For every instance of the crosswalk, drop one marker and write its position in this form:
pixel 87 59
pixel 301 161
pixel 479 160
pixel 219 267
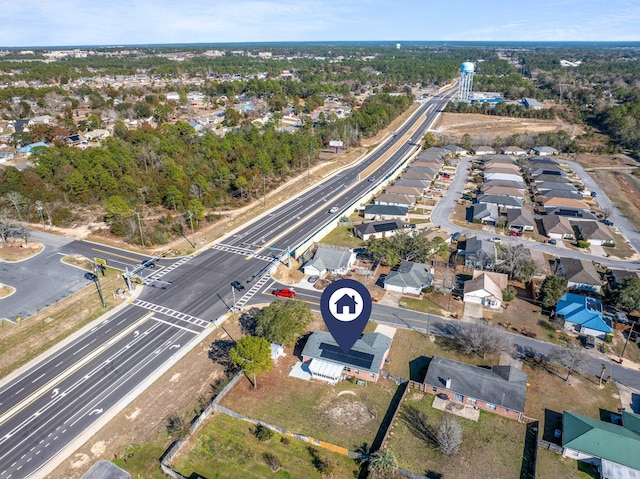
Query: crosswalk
pixel 159 274
pixel 254 289
pixel 241 251
pixel 201 323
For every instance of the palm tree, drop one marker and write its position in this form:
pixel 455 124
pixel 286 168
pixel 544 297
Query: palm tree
pixel 382 463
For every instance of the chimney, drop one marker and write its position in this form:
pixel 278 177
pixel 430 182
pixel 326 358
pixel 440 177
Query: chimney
pixel 447 383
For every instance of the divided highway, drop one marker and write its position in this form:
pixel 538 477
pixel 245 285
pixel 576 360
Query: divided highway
pixel 45 410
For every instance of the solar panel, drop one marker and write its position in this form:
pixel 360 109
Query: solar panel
pixel 354 358
pixel 380 228
pixel 593 304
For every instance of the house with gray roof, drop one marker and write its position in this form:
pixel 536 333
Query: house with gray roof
pixel 520 219
pixel 556 227
pixel 424 184
pixel 483 150
pixel 513 150
pixel 575 214
pixel 435 150
pixel 485 213
pixel 612 448
pixel 561 193
pixel 413 174
pixel 502 201
pixel 594 232
pixel 500 159
pixel 551 179
pixel 580 274
pixel 410 278
pixel 380 229
pixel 503 184
pixel 326 361
pixel 405 190
pixel 384 212
pixel 479 254
pixel 547 186
pixel 330 259
pixel 394 199
pixel 501 389
pixel 456 150
pixel 545 151
pixel 532 104
pixel 504 191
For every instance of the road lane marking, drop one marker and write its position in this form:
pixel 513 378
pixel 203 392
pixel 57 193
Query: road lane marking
pixel 70 370
pixel 116 254
pixel 174 325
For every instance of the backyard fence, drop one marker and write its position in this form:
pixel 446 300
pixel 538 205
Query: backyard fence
pixel 550 446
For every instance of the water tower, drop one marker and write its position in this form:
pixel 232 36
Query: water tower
pixel 466 81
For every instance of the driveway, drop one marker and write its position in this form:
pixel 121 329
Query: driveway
pixel 473 312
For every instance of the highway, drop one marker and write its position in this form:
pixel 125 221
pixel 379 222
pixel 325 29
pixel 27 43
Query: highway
pixel 45 410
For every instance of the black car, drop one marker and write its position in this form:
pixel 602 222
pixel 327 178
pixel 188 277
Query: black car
pixel 91 277
pixel 148 263
pixel 237 285
pixel 607 222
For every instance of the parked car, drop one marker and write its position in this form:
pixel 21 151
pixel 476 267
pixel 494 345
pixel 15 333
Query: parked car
pixel 284 293
pixel 313 279
pixel 237 285
pixel 589 341
pixel 607 222
pixel 551 241
pixel 515 233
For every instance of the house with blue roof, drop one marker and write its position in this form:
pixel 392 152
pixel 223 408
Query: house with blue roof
pixel 27 149
pixel 583 315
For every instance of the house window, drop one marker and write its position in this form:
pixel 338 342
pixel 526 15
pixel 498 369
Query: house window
pixel 372 375
pixel 491 407
pixel 357 371
pixel 347 369
pixel 434 389
pixel 471 401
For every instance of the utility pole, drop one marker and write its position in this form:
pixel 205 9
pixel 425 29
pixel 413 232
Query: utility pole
pixel 193 233
pixel 39 208
pixel 264 190
pixel 633 325
pixel 140 227
pixel 233 293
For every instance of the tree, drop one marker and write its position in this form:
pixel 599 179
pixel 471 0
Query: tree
pixel 116 208
pixel 516 261
pixel 449 436
pixel 382 463
pixel 552 289
pixel 252 354
pixel 479 339
pixel 17 201
pixel 626 294
pixel 283 322
pixel 571 358
pixel 606 212
pixel 509 294
pixel 6 226
pixel 177 427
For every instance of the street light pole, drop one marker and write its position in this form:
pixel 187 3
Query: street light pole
pixel 233 293
pixel 140 228
pixel 633 325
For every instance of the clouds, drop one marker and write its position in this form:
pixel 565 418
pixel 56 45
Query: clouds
pixel 117 22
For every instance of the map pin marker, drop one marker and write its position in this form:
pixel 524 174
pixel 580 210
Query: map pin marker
pixel 346 307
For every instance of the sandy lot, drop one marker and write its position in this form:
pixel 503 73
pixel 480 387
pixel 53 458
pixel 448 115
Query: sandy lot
pixel 458 124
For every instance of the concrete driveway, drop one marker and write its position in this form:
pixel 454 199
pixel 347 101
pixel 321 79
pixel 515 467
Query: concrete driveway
pixel 473 312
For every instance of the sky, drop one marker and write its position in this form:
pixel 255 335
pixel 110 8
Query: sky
pixel 127 22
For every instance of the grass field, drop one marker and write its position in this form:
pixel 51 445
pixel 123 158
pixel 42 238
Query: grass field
pixel 227 448
pixel 314 408
pixel 342 236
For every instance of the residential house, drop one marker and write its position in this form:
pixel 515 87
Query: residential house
pixel 27 149
pixel 486 213
pixel 405 190
pixel 612 448
pixel 520 219
pixel 393 199
pixel 500 159
pixel 479 254
pixel 556 227
pixel 6 156
pixel 418 175
pixel 618 275
pixel 551 179
pixel 435 150
pixel 410 278
pixel 561 193
pixel 502 201
pixel 96 135
pixel 573 213
pixel 545 151
pixel 532 104
pixel 485 288
pixel 503 183
pixel 503 176
pixel 553 170
pixel 583 315
pixel 380 229
pixel 504 191
pixel 383 212
pixel 501 389
pixel 502 168
pixel 513 150
pixel 580 274
pixel 333 260
pixel 456 150
pixel 326 361
pixel 40 120
pixel 424 184
pixel 482 150
pixel 548 186
pixel 550 202
pixel 594 232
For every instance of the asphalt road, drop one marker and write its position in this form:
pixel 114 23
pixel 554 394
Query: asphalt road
pixel 46 408
pixel 39 281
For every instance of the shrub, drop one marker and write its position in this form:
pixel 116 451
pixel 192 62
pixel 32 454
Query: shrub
pixel 509 294
pixel 582 244
pixel 263 433
pixel 273 462
pixel 608 338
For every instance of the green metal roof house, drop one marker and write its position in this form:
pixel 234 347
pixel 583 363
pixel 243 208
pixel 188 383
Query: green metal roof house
pixel 614 449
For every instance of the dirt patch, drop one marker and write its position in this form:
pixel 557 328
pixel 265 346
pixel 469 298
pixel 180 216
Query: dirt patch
pixel 16 250
pixel 489 127
pixel 289 275
pixel 622 189
pixel 6 291
pixel 347 412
